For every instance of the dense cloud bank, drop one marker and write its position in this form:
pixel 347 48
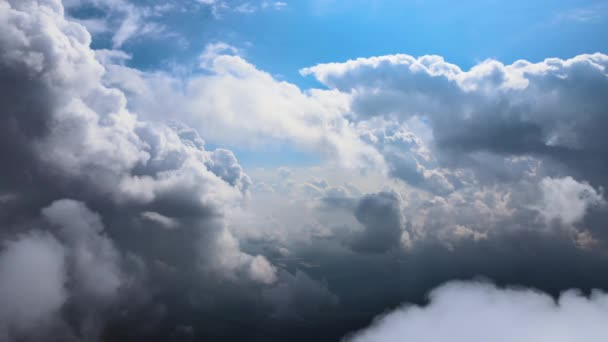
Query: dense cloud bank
pixel 94 192
pixel 118 223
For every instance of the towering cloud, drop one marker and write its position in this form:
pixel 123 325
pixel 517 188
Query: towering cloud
pixel 65 135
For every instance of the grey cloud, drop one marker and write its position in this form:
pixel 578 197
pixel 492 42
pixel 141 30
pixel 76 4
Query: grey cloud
pixel 32 290
pixel 409 159
pixel 552 109
pixel 303 292
pixel 76 139
pixel 369 283
pixel 97 263
pixel 383 222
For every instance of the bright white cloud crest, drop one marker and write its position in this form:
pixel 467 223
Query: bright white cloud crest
pixel 478 312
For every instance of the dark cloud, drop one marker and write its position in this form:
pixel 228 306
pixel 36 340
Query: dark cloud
pixel 383 223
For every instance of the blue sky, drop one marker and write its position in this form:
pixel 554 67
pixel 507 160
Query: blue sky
pixel 304 33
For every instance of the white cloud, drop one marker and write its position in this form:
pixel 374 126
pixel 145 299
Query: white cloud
pixel 256 109
pixel 478 312
pixel 567 200
pixel 218 7
pixel 163 221
pixel 124 19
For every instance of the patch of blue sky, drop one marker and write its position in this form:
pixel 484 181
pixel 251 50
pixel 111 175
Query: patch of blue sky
pixel 305 33
pixel 271 155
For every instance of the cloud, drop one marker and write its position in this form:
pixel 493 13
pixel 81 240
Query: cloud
pixel 383 222
pixel 218 7
pixel 481 312
pixel 78 140
pixel 96 261
pixel 567 200
pixel 551 110
pixel 256 109
pixel 587 14
pixel 299 290
pixel 123 184
pixel 161 220
pixel 407 156
pixel 32 290
pixel 125 20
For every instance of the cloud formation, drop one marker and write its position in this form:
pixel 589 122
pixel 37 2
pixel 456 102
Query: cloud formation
pixel 77 140
pixel 481 312
pixel 552 109
pixel 126 214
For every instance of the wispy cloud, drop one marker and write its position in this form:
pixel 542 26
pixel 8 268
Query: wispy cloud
pixel 583 14
pixel 125 20
pixel 218 7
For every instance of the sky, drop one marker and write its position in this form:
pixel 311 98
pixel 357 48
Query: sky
pixel 281 39
pixel 285 38
pixel 321 170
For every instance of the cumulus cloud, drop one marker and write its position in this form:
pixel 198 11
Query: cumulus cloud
pixel 408 157
pixel 256 109
pixel 483 312
pixel 124 220
pixel 550 110
pixel 120 172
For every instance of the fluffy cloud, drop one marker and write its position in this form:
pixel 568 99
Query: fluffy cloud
pixel 407 156
pixel 77 140
pixel 481 312
pixel 551 110
pixel 146 233
pixel 567 200
pixel 256 109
